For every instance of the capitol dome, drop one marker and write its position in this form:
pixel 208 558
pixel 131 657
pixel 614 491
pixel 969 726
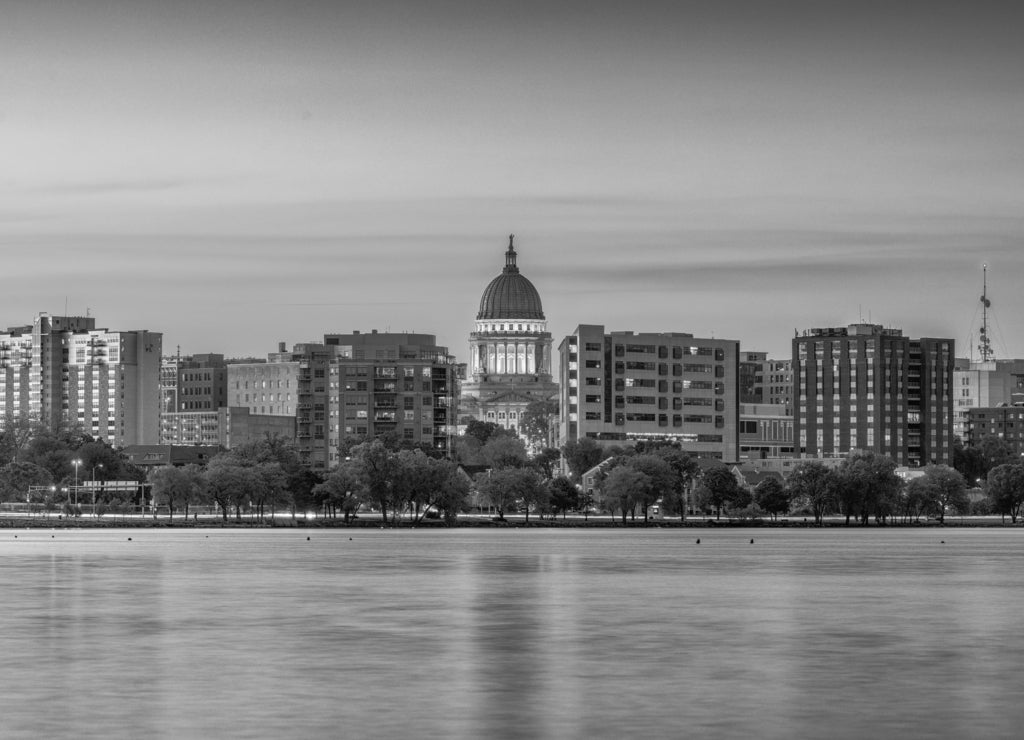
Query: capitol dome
pixel 510 295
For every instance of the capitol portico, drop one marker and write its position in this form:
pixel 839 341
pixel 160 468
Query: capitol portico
pixel 510 351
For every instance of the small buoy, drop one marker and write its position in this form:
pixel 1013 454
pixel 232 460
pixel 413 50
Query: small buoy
pixel 698 541
pixel 349 539
pixel 307 539
pixel 943 542
pixel 751 542
pixel 129 539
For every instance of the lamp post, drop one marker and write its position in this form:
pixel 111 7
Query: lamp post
pixel 77 463
pixel 100 466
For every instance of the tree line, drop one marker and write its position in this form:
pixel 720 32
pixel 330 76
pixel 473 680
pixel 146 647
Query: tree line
pixel 509 472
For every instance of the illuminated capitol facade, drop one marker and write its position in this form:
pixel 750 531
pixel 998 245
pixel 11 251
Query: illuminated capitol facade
pixel 510 351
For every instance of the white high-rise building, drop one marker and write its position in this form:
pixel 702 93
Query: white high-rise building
pixel 62 370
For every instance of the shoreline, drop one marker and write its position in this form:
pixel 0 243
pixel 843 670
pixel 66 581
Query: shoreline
pixel 287 522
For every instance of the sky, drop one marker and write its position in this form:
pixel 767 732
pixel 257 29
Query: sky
pixel 237 174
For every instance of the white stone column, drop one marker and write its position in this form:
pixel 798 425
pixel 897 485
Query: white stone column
pixel 531 358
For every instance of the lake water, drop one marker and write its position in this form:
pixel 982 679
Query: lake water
pixel 512 633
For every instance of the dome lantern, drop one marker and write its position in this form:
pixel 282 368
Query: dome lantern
pixel 510 295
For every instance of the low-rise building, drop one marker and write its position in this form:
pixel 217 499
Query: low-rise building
pixel 1002 422
pixel 766 430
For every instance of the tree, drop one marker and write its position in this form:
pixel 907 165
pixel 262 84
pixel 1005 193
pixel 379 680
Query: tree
pixel 772 496
pixel 301 484
pixel 343 489
pixel 685 469
pixel 813 485
pixel 544 460
pixel 504 452
pixel 581 455
pixel 482 431
pixel 535 421
pixel 974 463
pixel 16 435
pixel 451 499
pixel 621 488
pixel 1006 489
pixel 945 489
pixel 660 479
pixel 227 483
pixel 564 495
pixel 467 450
pixel 377 466
pixel 867 483
pixel 534 493
pixel 721 486
pixel 176 486
pixel 17 477
pixel 420 480
pixel 502 488
pixel 916 498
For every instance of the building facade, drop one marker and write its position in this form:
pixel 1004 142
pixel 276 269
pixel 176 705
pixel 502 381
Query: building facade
pixel 766 430
pixel 193 390
pixel 984 384
pixel 510 351
pixel 621 387
pixel 62 370
pixel 348 388
pixel 1002 422
pixel 763 380
pixel 868 387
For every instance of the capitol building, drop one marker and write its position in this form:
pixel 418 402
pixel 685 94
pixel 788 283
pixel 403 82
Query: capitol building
pixel 510 351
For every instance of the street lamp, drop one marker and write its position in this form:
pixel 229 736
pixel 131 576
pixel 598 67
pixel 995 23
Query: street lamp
pixel 100 466
pixel 77 463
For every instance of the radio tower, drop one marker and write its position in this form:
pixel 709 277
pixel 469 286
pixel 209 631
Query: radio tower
pixel 985 345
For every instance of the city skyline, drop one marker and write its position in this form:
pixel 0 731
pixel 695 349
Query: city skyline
pixel 238 174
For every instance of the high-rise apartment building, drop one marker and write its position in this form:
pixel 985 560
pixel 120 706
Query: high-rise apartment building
pixel 621 387
pixel 867 387
pixel 353 386
pixel 63 370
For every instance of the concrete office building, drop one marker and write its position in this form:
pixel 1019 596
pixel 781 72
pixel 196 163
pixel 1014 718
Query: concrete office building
pixel 62 370
pixel 867 387
pixel 193 390
pixel 620 387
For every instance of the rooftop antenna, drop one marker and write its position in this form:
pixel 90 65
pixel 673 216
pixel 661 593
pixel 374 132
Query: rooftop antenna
pixel 984 343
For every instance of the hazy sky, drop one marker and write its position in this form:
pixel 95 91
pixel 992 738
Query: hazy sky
pixel 235 174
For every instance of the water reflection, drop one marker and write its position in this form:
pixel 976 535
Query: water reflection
pixel 511 634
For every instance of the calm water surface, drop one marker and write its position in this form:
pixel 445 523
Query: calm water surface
pixel 511 634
